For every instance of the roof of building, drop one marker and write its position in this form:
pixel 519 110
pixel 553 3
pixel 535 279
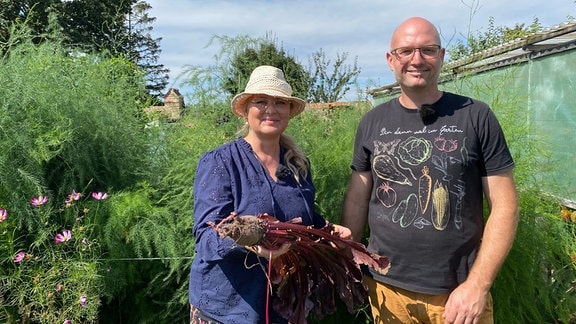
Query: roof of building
pixel 173 91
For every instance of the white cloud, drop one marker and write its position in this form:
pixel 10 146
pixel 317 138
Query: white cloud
pixel 360 28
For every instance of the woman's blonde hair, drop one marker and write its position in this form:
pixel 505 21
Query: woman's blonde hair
pixel 294 158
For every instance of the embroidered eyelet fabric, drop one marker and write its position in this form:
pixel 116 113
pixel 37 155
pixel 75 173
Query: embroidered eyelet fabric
pixel 226 282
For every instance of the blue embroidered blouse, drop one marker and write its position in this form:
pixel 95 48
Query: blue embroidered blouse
pixel 226 282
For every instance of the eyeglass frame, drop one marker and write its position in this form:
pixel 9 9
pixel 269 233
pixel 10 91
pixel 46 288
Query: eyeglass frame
pixel 262 103
pixel 405 59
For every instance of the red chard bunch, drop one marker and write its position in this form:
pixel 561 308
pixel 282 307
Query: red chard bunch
pixel 318 266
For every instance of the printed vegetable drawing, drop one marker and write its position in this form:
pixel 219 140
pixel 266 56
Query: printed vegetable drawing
pixel 386 195
pixel 441 204
pixel 424 189
pixel 318 265
pixel 445 145
pixel 406 211
pixel 460 192
pixel 415 150
pixel 464 154
pixel 385 169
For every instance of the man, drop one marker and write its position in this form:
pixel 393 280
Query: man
pixel 422 164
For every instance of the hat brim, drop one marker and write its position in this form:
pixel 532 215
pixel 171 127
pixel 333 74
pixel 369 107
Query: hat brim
pixel 239 102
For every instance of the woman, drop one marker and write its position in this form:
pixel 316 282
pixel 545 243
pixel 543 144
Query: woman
pixel 263 172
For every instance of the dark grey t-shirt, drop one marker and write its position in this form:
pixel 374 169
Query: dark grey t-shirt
pixel 426 212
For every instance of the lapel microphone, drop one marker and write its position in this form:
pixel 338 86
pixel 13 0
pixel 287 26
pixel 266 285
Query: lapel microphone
pixel 282 171
pixel 427 113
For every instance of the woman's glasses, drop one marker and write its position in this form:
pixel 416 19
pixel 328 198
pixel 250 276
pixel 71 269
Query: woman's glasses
pixel 263 104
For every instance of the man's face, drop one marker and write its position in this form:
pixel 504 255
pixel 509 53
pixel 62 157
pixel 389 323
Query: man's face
pixel 416 57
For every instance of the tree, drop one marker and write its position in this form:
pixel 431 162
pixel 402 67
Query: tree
pixel 96 25
pixel 318 83
pixel 121 28
pixel 214 85
pixel 331 87
pixel 264 52
pixel 34 13
pixel 144 49
pixel 108 27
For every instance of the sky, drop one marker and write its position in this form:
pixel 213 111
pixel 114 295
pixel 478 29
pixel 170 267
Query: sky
pixel 360 28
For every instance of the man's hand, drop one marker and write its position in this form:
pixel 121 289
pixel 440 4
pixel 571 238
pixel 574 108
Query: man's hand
pixel 465 304
pixel 343 232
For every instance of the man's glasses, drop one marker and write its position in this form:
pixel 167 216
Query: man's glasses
pixel 405 54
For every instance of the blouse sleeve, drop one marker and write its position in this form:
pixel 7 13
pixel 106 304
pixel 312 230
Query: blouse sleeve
pixel 213 201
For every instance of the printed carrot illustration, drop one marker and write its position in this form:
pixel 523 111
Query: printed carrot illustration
pixel 424 189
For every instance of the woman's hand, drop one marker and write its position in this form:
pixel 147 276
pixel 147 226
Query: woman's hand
pixel 269 254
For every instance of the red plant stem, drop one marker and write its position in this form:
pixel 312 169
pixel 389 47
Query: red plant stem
pixel 268 292
pixel 318 265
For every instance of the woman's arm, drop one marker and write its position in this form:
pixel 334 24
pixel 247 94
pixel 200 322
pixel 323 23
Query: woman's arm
pixel 213 201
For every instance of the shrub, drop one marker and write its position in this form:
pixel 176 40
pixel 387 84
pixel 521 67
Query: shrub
pixel 55 277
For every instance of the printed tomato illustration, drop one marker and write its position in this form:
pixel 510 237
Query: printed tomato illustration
pixel 386 195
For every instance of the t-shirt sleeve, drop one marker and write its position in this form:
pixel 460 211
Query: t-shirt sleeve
pixel 361 153
pixel 495 152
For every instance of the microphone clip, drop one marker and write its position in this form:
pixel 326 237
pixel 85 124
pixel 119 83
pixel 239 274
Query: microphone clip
pixel 427 113
pixel 282 171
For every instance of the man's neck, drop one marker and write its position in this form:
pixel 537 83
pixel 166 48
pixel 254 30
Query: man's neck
pixel 415 99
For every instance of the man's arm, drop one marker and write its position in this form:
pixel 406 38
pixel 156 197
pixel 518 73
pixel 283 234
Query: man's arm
pixel 356 200
pixel 467 301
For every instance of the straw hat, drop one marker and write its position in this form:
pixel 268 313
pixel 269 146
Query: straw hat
pixel 267 80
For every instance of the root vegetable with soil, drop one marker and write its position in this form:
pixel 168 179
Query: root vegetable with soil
pixel 318 265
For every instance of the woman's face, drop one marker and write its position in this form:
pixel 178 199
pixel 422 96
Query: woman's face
pixel 267 116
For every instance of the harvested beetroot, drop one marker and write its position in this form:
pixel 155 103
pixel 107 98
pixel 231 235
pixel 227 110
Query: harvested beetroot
pixel 318 265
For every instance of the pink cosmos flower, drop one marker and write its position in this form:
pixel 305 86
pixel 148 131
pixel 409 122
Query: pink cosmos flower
pixel 83 300
pixel 99 195
pixel 38 201
pixel 19 257
pixel 3 214
pixel 65 236
pixel 74 195
pixel 67 322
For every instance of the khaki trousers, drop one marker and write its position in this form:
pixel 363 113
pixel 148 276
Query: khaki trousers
pixel 398 306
